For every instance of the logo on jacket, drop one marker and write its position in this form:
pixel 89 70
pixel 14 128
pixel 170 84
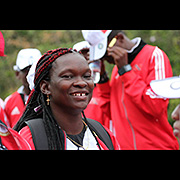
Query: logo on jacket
pixel 15 111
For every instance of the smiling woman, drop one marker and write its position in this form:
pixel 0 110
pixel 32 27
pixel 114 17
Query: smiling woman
pixel 70 86
pixel 63 88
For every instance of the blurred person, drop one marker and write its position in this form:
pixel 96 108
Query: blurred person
pixel 93 110
pixel 139 116
pixel 170 88
pixel 9 138
pixel 53 116
pixel 2 114
pixel 15 103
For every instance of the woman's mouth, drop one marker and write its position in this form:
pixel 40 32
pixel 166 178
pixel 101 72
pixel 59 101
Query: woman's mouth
pixel 79 94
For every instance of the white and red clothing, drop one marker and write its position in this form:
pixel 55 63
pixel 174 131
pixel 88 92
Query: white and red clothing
pixel 139 116
pixel 11 140
pixel 14 106
pixel 89 142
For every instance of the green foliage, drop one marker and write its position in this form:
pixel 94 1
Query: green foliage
pixel 15 40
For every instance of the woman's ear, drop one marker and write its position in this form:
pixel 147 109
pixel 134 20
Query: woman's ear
pixel 44 87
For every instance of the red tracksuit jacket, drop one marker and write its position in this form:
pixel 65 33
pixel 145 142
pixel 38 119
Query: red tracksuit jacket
pixel 14 107
pixel 138 115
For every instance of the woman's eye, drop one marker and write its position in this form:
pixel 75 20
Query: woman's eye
pixel 87 76
pixel 67 76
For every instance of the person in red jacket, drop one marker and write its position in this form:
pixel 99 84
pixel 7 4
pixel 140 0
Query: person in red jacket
pixel 9 138
pixel 2 114
pixel 139 116
pixel 15 103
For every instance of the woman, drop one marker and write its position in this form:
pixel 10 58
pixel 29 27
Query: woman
pixel 62 89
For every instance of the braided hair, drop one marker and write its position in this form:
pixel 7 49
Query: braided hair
pixel 36 104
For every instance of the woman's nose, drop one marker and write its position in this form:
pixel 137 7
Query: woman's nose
pixel 80 82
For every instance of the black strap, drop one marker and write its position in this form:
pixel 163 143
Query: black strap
pixel 38 134
pixel 40 138
pixel 22 97
pixel 101 133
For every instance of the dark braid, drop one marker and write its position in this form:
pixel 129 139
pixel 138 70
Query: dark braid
pixel 36 104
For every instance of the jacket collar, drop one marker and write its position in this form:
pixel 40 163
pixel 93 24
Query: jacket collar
pixel 139 44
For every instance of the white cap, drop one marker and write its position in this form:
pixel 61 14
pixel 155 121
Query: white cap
pixel 98 41
pixel 167 88
pixel 26 57
pixel 81 45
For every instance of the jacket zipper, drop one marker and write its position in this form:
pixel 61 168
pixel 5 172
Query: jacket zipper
pixel 125 110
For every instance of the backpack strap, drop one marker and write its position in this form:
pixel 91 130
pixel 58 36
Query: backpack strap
pixel 40 138
pixel 102 133
pixel 38 134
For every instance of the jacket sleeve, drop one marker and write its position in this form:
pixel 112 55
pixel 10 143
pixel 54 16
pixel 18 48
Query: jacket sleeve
pixel 139 90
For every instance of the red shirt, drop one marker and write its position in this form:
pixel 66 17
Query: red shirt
pixel 139 116
pixel 14 107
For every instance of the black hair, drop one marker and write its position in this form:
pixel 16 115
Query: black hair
pixel 113 34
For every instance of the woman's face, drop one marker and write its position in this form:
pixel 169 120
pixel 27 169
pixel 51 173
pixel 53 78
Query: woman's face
pixel 70 84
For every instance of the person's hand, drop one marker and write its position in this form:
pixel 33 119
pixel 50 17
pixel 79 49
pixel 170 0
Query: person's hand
pixel 176 116
pixel 119 54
